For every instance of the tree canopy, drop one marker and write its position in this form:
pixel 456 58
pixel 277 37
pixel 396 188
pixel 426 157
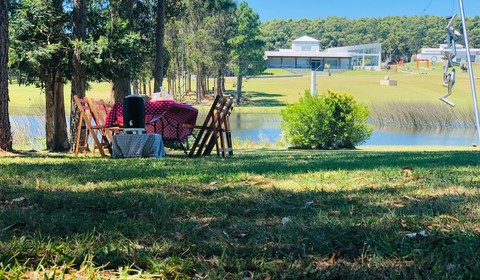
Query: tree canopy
pixel 400 36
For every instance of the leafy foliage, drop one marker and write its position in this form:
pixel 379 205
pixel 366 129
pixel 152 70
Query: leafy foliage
pixel 329 121
pixel 247 43
pixel 38 42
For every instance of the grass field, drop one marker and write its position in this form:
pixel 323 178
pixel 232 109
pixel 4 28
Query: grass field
pixel 265 214
pixel 365 86
pixel 372 213
pixel 271 94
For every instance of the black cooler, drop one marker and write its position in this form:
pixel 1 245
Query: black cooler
pixel 134 114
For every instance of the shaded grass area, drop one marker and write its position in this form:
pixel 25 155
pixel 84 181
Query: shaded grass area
pixel 262 214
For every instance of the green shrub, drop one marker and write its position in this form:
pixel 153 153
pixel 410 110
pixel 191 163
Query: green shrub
pixel 328 121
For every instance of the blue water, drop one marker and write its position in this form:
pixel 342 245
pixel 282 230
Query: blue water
pixel 256 127
pixel 266 128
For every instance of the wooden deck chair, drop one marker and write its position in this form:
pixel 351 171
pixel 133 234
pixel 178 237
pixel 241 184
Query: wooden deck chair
pixel 100 113
pixel 90 125
pixel 223 141
pixel 208 132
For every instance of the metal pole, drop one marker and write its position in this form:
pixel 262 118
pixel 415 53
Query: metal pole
pixel 313 83
pixel 470 69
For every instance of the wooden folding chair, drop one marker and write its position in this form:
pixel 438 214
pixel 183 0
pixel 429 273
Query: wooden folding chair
pixel 89 124
pixel 100 113
pixel 215 131
pixel 224 138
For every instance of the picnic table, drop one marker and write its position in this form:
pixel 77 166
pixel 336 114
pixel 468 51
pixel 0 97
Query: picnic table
pixel 165 117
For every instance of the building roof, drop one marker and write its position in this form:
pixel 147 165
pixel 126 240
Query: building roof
pixel 306 54
pixel 306 39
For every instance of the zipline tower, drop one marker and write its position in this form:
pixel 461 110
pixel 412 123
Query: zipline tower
pixel 470 69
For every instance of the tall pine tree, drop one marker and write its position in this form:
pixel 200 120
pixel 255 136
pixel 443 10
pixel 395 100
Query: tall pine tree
pixel 5 128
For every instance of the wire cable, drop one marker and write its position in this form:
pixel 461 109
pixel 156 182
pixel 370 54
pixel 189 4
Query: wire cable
pixel 428 5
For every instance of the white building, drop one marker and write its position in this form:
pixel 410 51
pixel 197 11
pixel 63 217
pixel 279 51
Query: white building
pixel 305 53
pixel 435 54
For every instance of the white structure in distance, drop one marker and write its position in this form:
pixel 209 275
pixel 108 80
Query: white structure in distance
pixel 305 53
pixel 435 54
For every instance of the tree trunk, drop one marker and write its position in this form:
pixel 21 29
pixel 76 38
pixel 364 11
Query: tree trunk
pixel 5 128
pixel 239 88
pixel 219 86
pixel 189 83
pixel 120 89
pixel 159 41
pixel 49 111
pixel 55 120
pixel 199 83
pixel 223 84
pixel 207 85
pixel 135 86
pixel 60 121
pixel 79 77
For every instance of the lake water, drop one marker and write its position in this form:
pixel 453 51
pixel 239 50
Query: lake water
pixel 262 127
pixel 266 128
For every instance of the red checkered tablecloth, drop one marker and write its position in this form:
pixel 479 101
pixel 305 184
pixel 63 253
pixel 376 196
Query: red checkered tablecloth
pixel 173 116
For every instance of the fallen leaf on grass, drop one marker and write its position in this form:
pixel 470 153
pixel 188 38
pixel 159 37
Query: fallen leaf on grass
pixel 334 213
pixel 210 188
pixel 241 235
pixel 332 259
pixel 286 220
pixel 179 235
pixel 398 205
pixel 18 200
pixel 257 180
pixel 451 266
pixel 450 218
pixel 408 171
pixel 202 226
pixel 308 204
pixel 14 226
pixel 411 198
pixel 422 233
pixel 434 225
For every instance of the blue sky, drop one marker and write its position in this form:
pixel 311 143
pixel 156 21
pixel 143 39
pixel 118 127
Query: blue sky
pixel 297 9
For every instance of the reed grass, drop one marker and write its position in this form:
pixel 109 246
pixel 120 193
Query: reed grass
pixel 420 115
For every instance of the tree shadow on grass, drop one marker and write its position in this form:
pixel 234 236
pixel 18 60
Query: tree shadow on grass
pixel 261 99
pixel 214 220
pixel 232 229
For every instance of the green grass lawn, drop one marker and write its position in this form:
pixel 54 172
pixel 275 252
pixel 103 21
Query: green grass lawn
pixel 417 85
pixel 261 214
pixel 271 94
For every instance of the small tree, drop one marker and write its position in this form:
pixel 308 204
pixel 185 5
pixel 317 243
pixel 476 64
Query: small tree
pixel 328 121
pixel 247 45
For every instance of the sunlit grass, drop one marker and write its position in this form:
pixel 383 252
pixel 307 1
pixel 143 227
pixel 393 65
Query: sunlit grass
pixel 277 214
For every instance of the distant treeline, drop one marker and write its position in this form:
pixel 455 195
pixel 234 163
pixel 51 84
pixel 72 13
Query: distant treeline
pixel 401 36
